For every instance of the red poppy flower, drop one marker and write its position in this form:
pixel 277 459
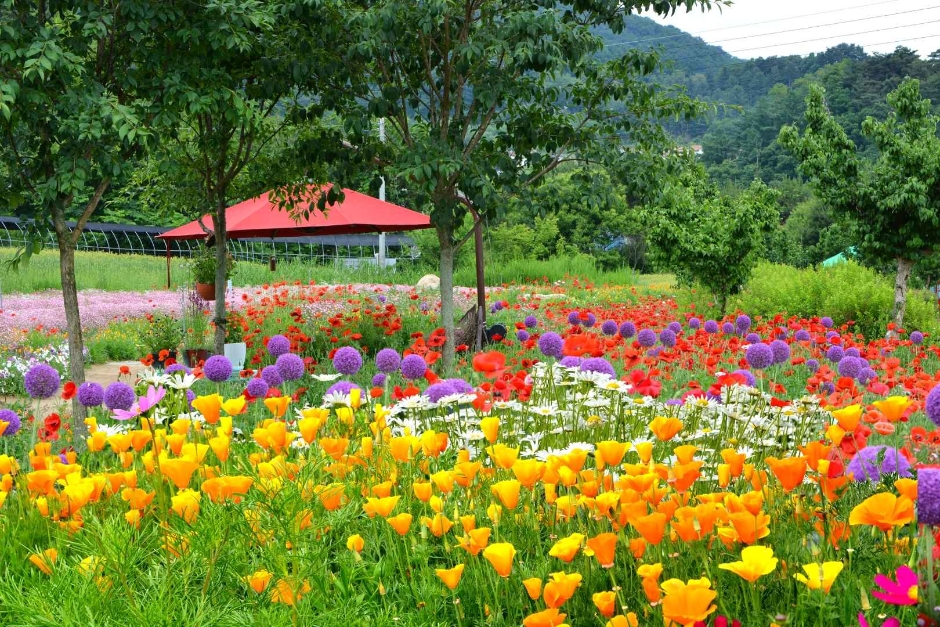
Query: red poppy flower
pixel 491 364
pixel 52 422
pixel 68 391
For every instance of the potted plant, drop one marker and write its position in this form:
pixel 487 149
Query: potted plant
pixel 196 323
pixel 162 338
pixel 235 347
pixel 203 267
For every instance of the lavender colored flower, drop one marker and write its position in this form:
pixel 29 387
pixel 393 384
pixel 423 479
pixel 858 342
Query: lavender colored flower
pixel 759 356
pixel 425 307
pixel 646 337
pixel 13 421
pixel 826 321
pixel 342 387
pixel 743 323
pixel 812 365
pixel 675 402
pixel 551 344
pixel 917 338
pixel 278 345
pixel 290 366
pixel 387 360
pixel 831 334
pixel 932 406
pixel 873 461
pixel 828 387
pixel 598 364
pixel 382 298
pixel 190 397
pixel 694 323
pixel 849 367
pixel 497 306
pixel 835 354
pixel 727 328
pixel 119 395
pixel 41 381
pixel 379 380
pixel 667 337
pixel 258 387
pixel 574 318
pixel 460 386
pixel 675 327
pixel 217 368
pixel 609 327
pixel 522 335
pixel 531 322
pixel 852 352
pixel 627 330
pixel 591 320
pixel 866 375
pixel 711 326
pixel 272 376
pixel 347 360
pixel 802 335
pixel 570 362
pixel 177 367
pixel 413 367
pixel 437 391
pixel 90 394
pixel 749 377
pixel 781 351
pixel 863 363
pixel 752 338
pixel 928 496
pixel 654 352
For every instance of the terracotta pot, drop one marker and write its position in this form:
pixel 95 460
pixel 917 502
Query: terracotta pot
pixel 195 355
pixel 206 290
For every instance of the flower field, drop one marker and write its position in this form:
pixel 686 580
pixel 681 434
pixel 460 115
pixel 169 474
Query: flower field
pixel 612 461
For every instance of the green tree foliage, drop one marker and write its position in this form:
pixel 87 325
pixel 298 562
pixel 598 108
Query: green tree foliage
pixel 893 199
pixel 711 239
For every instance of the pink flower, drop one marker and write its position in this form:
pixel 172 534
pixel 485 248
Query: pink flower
pixel 891 622
pixel 124 414
pixel 151 399
pixel 900 592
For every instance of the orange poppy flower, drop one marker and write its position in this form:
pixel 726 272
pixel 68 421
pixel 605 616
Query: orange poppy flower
pixel 400 523
pixel 883 510
pixel 179 471
pixel 790 471
pixel 500 555
pixel 652 527
pixel 664 428
pixel 44 561
pixel 546 618
pixel 451 576
pixel 611 452
pixel 560 588
pixel 533 587
pixel 687 603
pixel 604 546
pixel 508 492
pixel 605 602
pixel 528 471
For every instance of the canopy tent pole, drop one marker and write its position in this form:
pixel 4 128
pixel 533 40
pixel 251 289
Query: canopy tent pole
pixel 382 198
pixel 167 264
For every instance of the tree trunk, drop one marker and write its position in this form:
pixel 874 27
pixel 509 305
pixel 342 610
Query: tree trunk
pixel 900 291
pixel 446 238
pixel 221 260
pixel 73 323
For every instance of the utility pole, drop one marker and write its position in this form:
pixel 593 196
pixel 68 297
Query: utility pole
pixel 382 198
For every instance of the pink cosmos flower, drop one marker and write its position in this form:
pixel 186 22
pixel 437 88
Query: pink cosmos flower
pixel 903 591
pixel 151 399
pixel 891 622
pixel 127 414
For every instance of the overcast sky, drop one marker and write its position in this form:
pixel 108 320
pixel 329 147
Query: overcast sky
pixel 752 28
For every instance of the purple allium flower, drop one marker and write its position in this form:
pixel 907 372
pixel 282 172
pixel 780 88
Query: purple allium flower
pixel 497 306
pixel 835 353
pixel 748 377
pixel 727 328
pixel 591 320
pixel 812 365
pixel 932 406
pixel 627 330
pixel 531 322
pixel 437 391
pixel 387 360
pixel 781 351
pixel 90 394
pixel 425 307
pixel 379 380
pixel 917 338
pixel 272 376
pixel 863 363
pixel 802 335
pixel 342 387
pixel 831 334
pixel 217 368
pixel 780 333
pixel 119 395
pixel 258 387
pixel 551 344
pixel 609 327
pixel 382 298
pixel 522 335
pixel 675 327
pixel 290 366
pixel 752 338
pixel 278 345
pixel 667 337
pixel 873 461
pixel 711 326
pixel 654 352
pixel 675 402
pixel 866 375
pixel 743 323
pixel 460 386
pixel 826 321
pixel 413 367
pixel 13 421
pixel 694 323
pixel 41 381
pixel 347 360
pixel 852 352
pixel 598 364
pixel 759 356
pixel 574 318
pixel 177 367
pixel 849 367
pixel 570 362
pixel 928 496
pixel 646 337
pixel 190 397
pixel 828 387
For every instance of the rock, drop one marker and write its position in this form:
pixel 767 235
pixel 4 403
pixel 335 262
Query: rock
pixel 429 282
